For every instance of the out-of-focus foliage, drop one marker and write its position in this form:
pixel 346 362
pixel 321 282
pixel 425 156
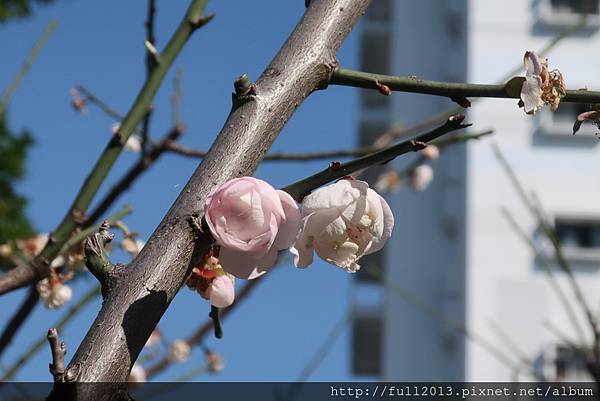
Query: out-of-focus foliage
pixel 13 153
pixel 18 8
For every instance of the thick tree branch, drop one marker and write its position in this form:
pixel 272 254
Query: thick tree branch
pixel 452 90
pixel 138 300
pixel 25 274
pixel 338 170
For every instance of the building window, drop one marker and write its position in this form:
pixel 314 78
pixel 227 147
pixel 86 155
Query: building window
pixel 569 365
pixel 579 238
pixel 366 345
pixel 375 57
pixel 380 11
pixel 560 122
pixel 562 13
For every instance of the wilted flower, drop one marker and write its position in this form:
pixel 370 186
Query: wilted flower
pixel 133 144
pixel 341 223
pixel 214 361
pixel 251 221
pixel 53 292
pixel 421 177
pixel 430 152
pixel 132 246
pixel 210 281
pixel 540 86
pixel 388 181
pixel 78 102
pixel 137 374
pixel 179 351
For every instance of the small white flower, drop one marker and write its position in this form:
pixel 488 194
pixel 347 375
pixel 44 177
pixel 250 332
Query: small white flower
pixel 179 351
pixel 531 91
pixel 215 363
pixel 133 247
pixel 133 144
pixel 388 181
pixel 341 223
pixel 54 293
pixel 431 152
pixel 137 374
pixel 153 339
pixel 421 177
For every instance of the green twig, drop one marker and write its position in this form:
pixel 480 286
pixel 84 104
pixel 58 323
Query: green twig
pixel 453 90
pixel 33 54
pixel 76 214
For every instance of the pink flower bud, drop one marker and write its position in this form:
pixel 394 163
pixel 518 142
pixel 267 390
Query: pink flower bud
pixel 251 221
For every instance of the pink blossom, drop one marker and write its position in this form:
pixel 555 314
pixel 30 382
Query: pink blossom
pixel 251 221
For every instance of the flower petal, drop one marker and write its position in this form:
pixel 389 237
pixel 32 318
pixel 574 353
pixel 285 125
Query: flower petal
pixel 344 255
pixel 247 265
pixel 339 195
pixel 531 93
pixel 288 230
pixel 222 291
pixel 388 225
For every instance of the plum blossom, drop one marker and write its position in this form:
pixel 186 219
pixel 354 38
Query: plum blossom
pixel 251 221
pixel 210 281
pixel 388 181
pixel 541 86
pixel 421 177
pixel 132 246
pixel 53 292
pixel 179 351
pixel 154 338
pixel 341 223
pixel 430 152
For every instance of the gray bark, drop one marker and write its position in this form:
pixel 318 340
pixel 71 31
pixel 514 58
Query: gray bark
pixel 138 295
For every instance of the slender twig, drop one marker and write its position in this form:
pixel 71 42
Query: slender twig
pixel 176 98
pixel 400 132
pixel 75 216
pixel 183 150
pixel 59 350
pixel 545 263
pixel 34 348
pixel 141 166
pixel 33 54
pixel 17 320
pixel 551 235
pixel 452 90
pixel 90 97
pixel 338 170
pixel 151 62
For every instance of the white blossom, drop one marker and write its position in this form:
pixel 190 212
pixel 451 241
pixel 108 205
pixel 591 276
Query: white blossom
pixel 133 144
pixel 388 181
pixel 421 177
pixel 341 223
pixel 54 293
pixel 430 152
pixel 179 351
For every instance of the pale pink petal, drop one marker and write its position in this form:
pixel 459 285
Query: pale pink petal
pixel 222 291
pixel 288 230
pixel 531 93
pixel 247 265
pixel 589 115
pixel 311 226
pixel 533 65
pixel 388 226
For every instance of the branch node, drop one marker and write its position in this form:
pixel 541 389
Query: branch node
pixel 96 259
pixel 417 146
pixel 152 52
pixel 245 91
pixel 383 89
pixel 201 21
pixel 461 101
pixel 59 350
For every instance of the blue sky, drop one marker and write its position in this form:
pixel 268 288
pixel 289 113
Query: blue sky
pixel 100 45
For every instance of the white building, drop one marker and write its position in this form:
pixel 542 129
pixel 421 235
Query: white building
pixel 453 253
